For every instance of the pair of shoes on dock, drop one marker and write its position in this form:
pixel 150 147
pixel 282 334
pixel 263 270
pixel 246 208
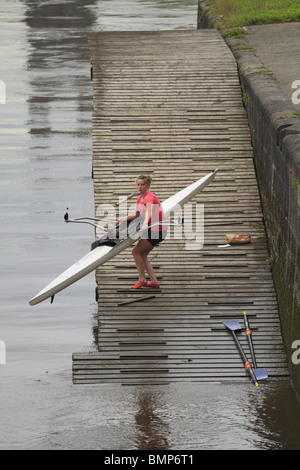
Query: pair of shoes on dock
pixel 145 284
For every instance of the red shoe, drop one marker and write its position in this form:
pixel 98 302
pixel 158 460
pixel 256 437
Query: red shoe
pixel 151 284
pixel 138 285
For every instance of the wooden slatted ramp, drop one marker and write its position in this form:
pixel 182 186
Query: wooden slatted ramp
pixel 169 104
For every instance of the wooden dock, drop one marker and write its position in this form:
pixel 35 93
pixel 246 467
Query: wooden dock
pixel 170 104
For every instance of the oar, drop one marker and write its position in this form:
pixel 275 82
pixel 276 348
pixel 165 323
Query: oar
pixel 169 223
pixel 233 326
pixel 261 374
pixel 85 220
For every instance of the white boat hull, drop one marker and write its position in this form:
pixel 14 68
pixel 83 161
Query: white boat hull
pixel 103 253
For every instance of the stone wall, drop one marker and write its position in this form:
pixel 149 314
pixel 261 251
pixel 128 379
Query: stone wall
pixel 275 131
pixel 276 144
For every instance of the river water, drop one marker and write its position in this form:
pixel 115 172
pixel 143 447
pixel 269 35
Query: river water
pixel 46 163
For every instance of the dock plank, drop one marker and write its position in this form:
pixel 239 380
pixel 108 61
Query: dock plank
pixel 169 103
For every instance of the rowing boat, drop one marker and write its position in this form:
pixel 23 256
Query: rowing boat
pixel 106 250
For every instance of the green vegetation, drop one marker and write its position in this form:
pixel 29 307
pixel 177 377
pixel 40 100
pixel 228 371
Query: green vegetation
pixel 295 183
pixel 238 13
pixel 245 98
pixel 236 32
pixel 294 115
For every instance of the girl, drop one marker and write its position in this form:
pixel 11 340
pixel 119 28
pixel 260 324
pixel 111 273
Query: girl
pixel 149 208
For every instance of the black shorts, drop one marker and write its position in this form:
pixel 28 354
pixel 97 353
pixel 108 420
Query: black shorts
pixel 155 237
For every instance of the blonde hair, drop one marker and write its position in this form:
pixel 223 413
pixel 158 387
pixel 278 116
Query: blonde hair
pixel 147 179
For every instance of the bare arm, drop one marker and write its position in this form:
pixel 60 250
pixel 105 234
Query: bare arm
pixel 147 216
pixel 129 217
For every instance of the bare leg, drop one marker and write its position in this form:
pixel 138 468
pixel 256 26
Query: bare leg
pixel 140 253
pixel 149 269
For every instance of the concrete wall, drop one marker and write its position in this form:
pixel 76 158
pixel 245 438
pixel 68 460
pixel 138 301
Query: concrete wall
pixel 276 143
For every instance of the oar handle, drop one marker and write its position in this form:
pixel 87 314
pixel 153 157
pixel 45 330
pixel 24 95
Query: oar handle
pixel 246 362
pixel 251 372
pixel 249 336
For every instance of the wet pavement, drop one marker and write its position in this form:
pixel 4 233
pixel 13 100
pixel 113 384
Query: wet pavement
pixel 45 167
pixel 277 47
